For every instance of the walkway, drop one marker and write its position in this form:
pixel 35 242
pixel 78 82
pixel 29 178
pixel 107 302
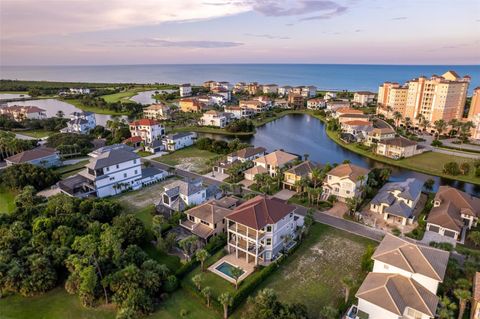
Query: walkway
pixel 428 141
pixel 449 142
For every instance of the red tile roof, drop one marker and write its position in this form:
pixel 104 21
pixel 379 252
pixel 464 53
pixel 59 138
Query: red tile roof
pixel 145 122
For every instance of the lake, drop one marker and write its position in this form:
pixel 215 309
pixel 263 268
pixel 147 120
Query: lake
pixel 145 97
pixel 52 106
pixel 324 76
pixel 303 134
pixel 9 96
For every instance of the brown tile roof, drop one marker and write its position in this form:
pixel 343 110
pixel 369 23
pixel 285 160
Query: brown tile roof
pixel 349 170
pixel 398 141
pixel 447 216
pixel 276 158
pixel 144 122
pixel 383 130
pixel 31 155
pixel 394 292
pixel 260 211
pixel 365 93
pixel 248 152
pixel 412 257
pixel 348 110
pixel 210 212
pixel 466 203
pixel 353 115
pixel 358 123
pixel 202 231
pixel 157 106
pixel 256 170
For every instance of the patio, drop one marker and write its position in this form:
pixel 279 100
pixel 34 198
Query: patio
pixel 231 259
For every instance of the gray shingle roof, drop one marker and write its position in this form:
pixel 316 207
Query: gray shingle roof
pixel 183 187
pixel 112 157
pixel 177 136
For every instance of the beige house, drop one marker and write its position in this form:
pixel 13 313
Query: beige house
pixel 250 173
pixel 274 161
pixel 208 219
pixel 398 147
pixel 379 134
pixel 254 105
pixel 20 113
pixel 363 98
pixel 157 111
pixel 403 283
pixel 453 212
pixel 345 181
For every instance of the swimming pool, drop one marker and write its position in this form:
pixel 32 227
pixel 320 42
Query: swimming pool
pixel 226 269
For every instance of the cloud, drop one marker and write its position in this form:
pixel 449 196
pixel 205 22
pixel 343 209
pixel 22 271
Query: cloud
pixel 279 8
pixel 267 36
pixel 155 42
pixel 327 15
pixel 400 18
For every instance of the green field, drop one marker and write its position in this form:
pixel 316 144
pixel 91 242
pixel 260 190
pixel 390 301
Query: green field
pixel 313 274
pixel 429 163
pixel 119 97
pixel 93 109
pixel 37 133
pixel 7 198
pixel 189 158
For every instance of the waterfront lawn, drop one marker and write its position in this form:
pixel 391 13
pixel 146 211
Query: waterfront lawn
pixel 7 198
pixel 313 274
pixel 210 130
pixel 429 162
pixel 36 133
pixel 119 97
pixel 78 103
pixel 188 158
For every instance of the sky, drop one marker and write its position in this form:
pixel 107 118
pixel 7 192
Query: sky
pixel 89 32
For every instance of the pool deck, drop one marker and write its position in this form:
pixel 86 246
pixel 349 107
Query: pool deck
pixel 248 268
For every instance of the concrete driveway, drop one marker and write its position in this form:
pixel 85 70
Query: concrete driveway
pixel 338 210
pixel 284 194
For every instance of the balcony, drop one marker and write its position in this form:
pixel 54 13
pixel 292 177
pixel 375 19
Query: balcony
pixel 247 232
pixel 247 246
pixel 355 313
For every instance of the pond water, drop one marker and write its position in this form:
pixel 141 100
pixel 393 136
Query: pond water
pixel 52 106
pixel 145 97
pixel 8 96
pixel 302 134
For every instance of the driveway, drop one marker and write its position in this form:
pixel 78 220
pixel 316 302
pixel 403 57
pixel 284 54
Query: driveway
pixel 217 176
pixel 338 210
pixel 284 194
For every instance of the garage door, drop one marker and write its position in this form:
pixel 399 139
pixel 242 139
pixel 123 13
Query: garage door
pixel 434 228
pixel 450 233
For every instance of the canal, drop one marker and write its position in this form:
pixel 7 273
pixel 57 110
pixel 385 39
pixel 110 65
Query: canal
pixel 303 134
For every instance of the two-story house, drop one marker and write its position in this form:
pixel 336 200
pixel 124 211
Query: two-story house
pixel 176 141
pixel 180 194
pixel 294 175
pixel 111 170
pixel 149 130
pixel 238 112
pixel 20 112
pixel 396 201
pixel 259 229
pixel 403 283
pixel 345 181
pixel 274 161
pixel 214 118
pixel 316 104
pixel 453 211
pixel 80 123
pixel 158 111
pixel 398 147
pixel 364 98
pixel 379 134
pixel 240 156
pixel 254 105
pixel 191 104
pixel 208 219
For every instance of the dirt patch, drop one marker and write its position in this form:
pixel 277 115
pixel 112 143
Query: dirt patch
pixel 192 164
pixel 144 197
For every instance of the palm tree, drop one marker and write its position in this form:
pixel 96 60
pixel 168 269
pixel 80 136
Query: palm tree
pixel 424 124
pixel 408 123
pixel 201 256
pixel 455 124
pixel 389 110
pixel 236 272
pixel 348 283
pixel 446 308
pixel 316 177
pixel 440 126
pixel 197 281
pixel 397 116
pixel 463 296
pixel 207 293
pixel 225 300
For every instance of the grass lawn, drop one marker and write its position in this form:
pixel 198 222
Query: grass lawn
pixel 143 153
pixel 181 299
pixel 6 200
pixel 313 274
pixel 429 163
pixel 189 158
pixel 211 130
pixel 36 133
pixel 93 109
pixel 118 97
pixel 69 170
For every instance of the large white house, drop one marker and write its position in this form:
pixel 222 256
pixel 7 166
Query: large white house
pixel 364 98
pixel 80 123
pixel 403 283
pixel 238 112
pixel 214 118
pixel 173 142
pixel 185 90
pixel 111 170
pixel 345 181
pixel 149 130
pixel 180 194
pixel 259 229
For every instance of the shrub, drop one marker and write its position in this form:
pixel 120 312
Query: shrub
pixel 366 261
pixel 396 231
pixel 436 143
pixel 171 284
pixel 21 175
pixel 465 168
pixel 443 246
pixel 451 168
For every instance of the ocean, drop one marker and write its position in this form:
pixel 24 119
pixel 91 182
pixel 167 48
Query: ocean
pixel 324 76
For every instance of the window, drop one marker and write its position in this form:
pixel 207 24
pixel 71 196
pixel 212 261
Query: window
pixel 136 172
pixel 112 178
pixel 385 266
pixel 117 166
pixel 108 169
pixel 269 228
pixel 134 161
pixel 269 241
pixel 124 175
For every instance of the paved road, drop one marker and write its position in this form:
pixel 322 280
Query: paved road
pixel 428 141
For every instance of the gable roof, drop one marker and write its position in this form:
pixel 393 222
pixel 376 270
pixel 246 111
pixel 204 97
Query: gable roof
pixel 248 152
pixel 398 141
pixel 394 292
pixel 466 203
pixel 260 211
pixel 415 258
pixel 30 155
pixel 350 171
pixel 183 187
pixel 276 158
pixel 256 170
